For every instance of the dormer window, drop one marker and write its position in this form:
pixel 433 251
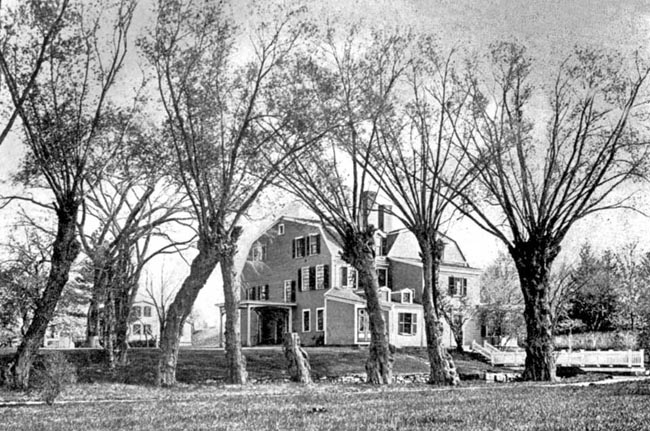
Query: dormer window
pixel 407 296
pixel 384 294
pixel 281 229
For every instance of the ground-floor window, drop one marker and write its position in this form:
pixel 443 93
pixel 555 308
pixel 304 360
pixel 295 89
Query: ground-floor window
pixel 306 320
pixel 407 323
pixel 137 329
pixel 320 319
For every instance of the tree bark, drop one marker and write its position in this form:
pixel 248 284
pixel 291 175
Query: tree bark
pixel 442 370
pixel 200 270
pixel 359 251
pixel 64 251
pixel 533 261
pixel 297 359
pixel 235 360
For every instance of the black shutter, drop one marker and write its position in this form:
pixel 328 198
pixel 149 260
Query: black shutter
pixel 292 295
pixel 464 293
pixel 299 279
pixel 312 277
pixel 293 248
pixel 317 244
pixel 451 286
pixel 307 245
pixel 326 277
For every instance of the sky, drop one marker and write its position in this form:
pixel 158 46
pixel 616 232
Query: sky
pixel 549 27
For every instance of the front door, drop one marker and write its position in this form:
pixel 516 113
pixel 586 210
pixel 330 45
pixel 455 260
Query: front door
pixel 363 326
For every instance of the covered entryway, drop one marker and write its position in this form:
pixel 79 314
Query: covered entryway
pixel 273 323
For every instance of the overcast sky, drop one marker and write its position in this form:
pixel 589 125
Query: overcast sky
pixel 550 28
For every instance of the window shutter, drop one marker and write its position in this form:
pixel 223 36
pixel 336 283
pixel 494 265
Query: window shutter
pixel 317 244
pixel 300 279
pixel 293 248
pixel 292 296
pixel 464 287
pixel 451 286
pixel 306 277
pixel 326 277
pixel 308 245
pixel 312 277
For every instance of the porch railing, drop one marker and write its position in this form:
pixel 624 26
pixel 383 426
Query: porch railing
pixel 632 359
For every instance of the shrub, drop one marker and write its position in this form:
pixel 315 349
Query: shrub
pixel 50 374
pixel 619 340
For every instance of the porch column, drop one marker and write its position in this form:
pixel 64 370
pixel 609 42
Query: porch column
pixel 290 325
pixel 248 325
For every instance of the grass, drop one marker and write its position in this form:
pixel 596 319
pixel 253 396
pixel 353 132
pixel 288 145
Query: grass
pixel 202 365
pixel 339 407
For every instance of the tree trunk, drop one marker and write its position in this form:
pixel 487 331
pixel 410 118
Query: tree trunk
pixel 235 360
pixel 64 251
pixel 109 328
pixel 442 370
pixel 297 359
pixel 200 270
pixel 379 366
pixel 534 264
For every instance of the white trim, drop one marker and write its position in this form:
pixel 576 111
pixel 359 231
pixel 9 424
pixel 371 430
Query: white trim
pixel 323 328
pixel 281 229
pixel 304 275
pixel 284 288
pixel 324 321
pixel 308 311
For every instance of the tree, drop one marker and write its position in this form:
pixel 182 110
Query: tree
pixel 355 75
pixel 630 286
pixel 62 120
pixel 47 23
pixel 544 179
pixel 160 298
pixel 130 211
pixel 416 164
pixel 232 124
pixel 595 302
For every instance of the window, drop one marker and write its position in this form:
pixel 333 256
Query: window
pixel 264 292
pixel 147 329
pixel 258 253
pixel 304 271
pixel 458 320
pixel 146 311
pixel 384 294
pixel 322 277
pixel 137 311
pixel 382 276
pixel 407 323
pixel 362 323
pixel 381 247
pixel 407 296
pixel 306 320
pixel 137 329
pixel 299 247
pixel 289 291
pixel 281 229
pixel 343 272
pixel 457 286
pixel 320 319
pixel 314 244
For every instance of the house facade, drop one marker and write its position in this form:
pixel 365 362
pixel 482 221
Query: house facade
pixel 144 325
pixel 294 280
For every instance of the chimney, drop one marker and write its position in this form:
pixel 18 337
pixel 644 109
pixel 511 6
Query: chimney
pixel 384 218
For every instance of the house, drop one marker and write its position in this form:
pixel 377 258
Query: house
pixel 144 325
pixel 295 280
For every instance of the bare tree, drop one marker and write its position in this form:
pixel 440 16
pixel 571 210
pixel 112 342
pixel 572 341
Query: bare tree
pixel 416 164
pixel 356 75
pixel 160 298
pixel 63 120
pixel 48 20
pixel 544 179
pixel 229 137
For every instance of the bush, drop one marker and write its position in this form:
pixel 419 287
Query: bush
pixel 619 340
pixel 50 374
pixel 143 343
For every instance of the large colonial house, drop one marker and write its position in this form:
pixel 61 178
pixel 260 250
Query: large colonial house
pixel 295 280
pixel 145 327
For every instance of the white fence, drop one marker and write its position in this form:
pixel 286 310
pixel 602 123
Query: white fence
pixel 582 358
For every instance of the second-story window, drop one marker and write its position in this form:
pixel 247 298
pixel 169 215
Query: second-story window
pixel 314 244
pixel 281 229
pixel 299 247
pixel 343 276
pixel 137 311
pixel 146 311
pixel 258 253
pixel 382 276
pixel 457 286
pixel 289 291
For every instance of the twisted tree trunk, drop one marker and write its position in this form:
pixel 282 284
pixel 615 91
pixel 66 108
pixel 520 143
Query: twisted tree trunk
pixel 64 251
pixel 442 370
pixel 533 261
pixel 235 360
pixel 200 270
pixel 359 251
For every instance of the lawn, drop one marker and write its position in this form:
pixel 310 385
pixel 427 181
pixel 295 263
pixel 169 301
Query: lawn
pixel 264 364
pixel 284 406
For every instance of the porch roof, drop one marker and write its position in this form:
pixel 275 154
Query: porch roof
pixel 260 304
